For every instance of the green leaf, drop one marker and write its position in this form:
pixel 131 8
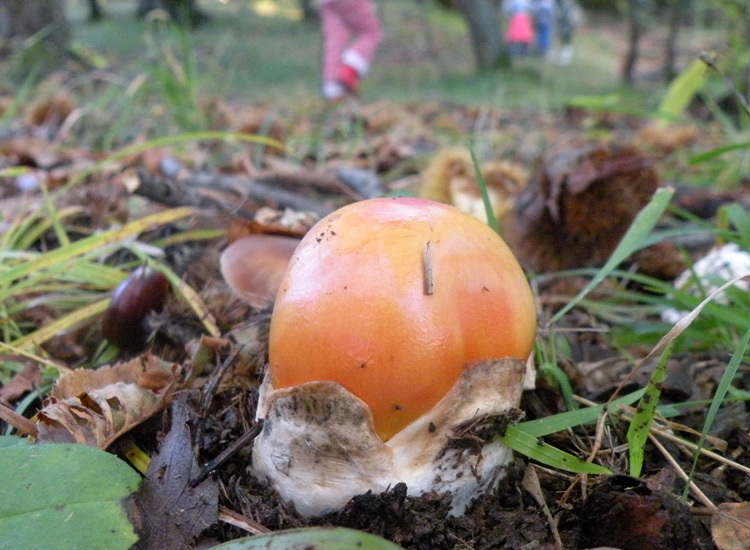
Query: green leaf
pixel 580 417
pixel 536 449
pixel 718 400
pixel 488 210
pixel 63 496
pixel 633 240
pixel 714 153
pixel 320 538
pixel 683 88
pixel 10 441
pixel 640 425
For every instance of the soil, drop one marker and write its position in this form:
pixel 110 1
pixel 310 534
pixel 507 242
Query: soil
pixel 568 510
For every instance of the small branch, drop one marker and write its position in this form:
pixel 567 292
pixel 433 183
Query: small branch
pixel 697 493
pixel 238 520
pixel 240 196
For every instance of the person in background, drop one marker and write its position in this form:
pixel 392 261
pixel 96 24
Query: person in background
pixel 351 35
pixel 544 23
pixel 520 32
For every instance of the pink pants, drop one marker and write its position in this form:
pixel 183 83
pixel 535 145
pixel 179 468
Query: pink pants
pixel 351 34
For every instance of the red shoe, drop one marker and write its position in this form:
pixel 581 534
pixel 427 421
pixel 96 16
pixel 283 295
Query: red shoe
pixel 349 78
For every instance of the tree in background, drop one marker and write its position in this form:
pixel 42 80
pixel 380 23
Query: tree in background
pixel 482 18
pixel 39 31
pixel 737 64
pixel 184 12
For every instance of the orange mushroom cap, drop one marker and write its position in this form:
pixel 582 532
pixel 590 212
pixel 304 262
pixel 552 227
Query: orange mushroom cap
pixel 392 298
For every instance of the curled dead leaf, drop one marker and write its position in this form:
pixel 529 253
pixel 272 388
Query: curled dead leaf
pixel 95 407
pixel 578 205
pixel 730 526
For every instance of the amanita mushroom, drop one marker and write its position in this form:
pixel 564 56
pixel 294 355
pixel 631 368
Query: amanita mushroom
pixel 399 323
pixel 254 265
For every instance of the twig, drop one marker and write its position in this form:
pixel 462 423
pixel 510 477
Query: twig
pixel 699 495
pixel 238 520
pixel 20 423
pixel 705 452
pixel 242 196
pixel 227 453
pixel 531 483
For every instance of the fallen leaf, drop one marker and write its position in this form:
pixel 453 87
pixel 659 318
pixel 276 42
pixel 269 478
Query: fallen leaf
pixel 328 538
pixel 95 407
pixel 167 511
pixel 578 205
pixel 25 380
pixel 730 526
pixel 52 496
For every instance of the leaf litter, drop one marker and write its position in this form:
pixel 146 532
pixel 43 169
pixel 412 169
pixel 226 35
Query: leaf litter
pixel 209 417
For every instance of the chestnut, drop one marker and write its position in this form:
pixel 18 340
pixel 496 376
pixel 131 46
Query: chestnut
pixel 142 292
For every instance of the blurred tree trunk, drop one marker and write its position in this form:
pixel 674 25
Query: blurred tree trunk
pixel 309 13
pixel 485 30
pixel 95 11
pixel 40 32
pixel 635 31
pixel 674 14
pixel 184 12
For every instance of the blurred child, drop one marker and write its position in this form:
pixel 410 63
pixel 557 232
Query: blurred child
pixel 520 32
pixel 351 34
pixel 544 22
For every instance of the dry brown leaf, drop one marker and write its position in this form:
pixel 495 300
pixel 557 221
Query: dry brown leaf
pixel 169 511
pixel 25 380
pixel 95 407
pixel 578 206
pixel 730 526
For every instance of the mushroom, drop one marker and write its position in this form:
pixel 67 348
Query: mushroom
pixel 396 353
pixel 253 266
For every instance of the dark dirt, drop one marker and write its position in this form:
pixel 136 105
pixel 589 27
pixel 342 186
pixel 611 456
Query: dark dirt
pixel 585 512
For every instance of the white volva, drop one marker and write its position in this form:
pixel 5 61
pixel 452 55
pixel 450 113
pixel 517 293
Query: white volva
pixel 318 447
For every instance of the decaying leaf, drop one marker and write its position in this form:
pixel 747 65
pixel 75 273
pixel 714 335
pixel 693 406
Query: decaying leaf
pixel 578 205
pixel 95 407
pixel 450 177
pixel 730 526
pixel 25 380
pixel 168 512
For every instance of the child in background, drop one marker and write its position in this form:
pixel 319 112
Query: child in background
pixel 351 34
pixel 544 22
pixel 520 32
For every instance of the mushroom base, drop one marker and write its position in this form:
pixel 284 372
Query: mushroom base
pixel 318 446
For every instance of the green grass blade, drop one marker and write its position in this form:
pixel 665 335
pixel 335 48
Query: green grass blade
pixel 534 448
pixel 66 322
pixel 93 242
pixel 683 88
pixel 633 239
pixel 488 210
pixel 640 425
pixel 718 400
pixel 719 151
pixel 580 417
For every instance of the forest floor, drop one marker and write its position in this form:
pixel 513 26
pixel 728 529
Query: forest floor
pixel 596 158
